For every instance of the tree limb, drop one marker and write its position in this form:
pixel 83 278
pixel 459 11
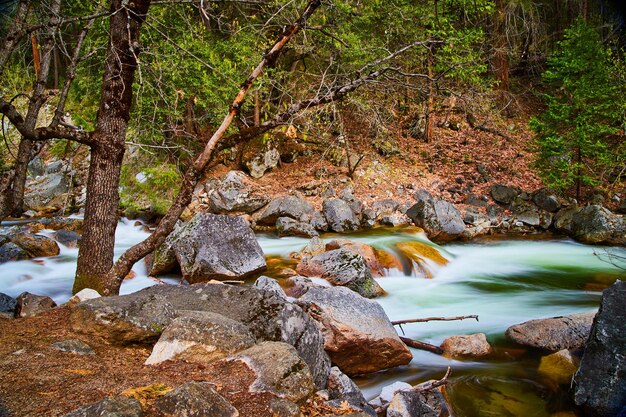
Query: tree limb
pixel 423 320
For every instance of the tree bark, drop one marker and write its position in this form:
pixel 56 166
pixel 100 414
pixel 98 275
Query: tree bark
pixel 122 267
pixel 95 256
pixel 38 98
pixel 501 55
pixel 15 33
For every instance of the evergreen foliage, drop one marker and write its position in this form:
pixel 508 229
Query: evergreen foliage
pixel 585 108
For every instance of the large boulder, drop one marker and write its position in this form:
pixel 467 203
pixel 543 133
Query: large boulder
pixel 212 246
pixel 265 314
pixel 342 267
pixel 46 191
pixel 286 206
pixel 9 251
pixel 341 388
pixel 409 404
pixel 358 335
pixel 232 195
pixel 546 200
pixel 440 219
pixel 366 251
pixel 553 334
pixel 110 407
pixel 595 224
pixel 340 216
pixel 194 399
pixel 134 318
pixel 600 383
pixel 200 337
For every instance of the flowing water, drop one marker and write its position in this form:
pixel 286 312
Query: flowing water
pixel 504 282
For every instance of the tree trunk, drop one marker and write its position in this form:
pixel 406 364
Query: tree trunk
pixel 27 150
pixel 501 55
pixel 95 256
pixel 430 105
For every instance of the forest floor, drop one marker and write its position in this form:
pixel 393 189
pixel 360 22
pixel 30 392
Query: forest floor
pixel 453 165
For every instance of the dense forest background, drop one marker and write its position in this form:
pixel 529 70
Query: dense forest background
pixel 135 90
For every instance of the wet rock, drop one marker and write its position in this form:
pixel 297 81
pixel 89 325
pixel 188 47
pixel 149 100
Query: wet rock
pixel 11 252
pixel 200 337
pixel 194 399
pixel 36 245
pixel 423 256
pixel 559 367
pixel 286 226
pixel 110 407
pixel 394 220
pixel 278 369
pixel 357 333
pixel 546 201
pixel 440 220
pixel 503 193
pixel 58 223
pixel 467 346
pixel 286 206
pixel 315 246
pixel 271 285
pixel 595 224
pixel 83 295
pixel 340 216
pixel 342 388
pixel 342 267
pixel 7 304
pixel 553 334
pixel 260 156
pixel 74 346
pixel 212 246
pixel 600 383
pixel 29 305
pixel 67 238
pixel 366 251
pixel 164 257
pixel 45 191
pixel 127 319
pixel 368 219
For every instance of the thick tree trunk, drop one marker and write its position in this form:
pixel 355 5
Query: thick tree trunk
pixel 95 256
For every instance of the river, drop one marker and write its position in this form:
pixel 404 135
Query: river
pixel 504 282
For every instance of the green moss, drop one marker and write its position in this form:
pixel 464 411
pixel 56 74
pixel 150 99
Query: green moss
pixel 156 192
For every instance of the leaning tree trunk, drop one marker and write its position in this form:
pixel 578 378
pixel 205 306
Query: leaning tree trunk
pixel 501 55
pixel 95 256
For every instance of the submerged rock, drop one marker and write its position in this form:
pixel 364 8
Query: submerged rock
pixel 553 334
pixel 358 336
pixel 559 367
pixel 342 267
pixel 467 346
pixel 600 383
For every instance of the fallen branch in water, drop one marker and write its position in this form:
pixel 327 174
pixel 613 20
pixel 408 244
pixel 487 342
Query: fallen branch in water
pixel 400 322
pixel 421 345
pixel 426 386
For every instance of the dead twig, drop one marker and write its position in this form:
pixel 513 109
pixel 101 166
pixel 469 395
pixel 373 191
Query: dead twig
pixel 421 345
pixel 423 320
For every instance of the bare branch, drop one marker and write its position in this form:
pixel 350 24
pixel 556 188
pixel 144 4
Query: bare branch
pixel 423 320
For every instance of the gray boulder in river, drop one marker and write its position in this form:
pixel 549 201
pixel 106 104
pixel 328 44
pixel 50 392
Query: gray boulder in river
pixel 553 334
pixel 440 219
pixel 211 246
pixel 600 383
pixel 592 224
